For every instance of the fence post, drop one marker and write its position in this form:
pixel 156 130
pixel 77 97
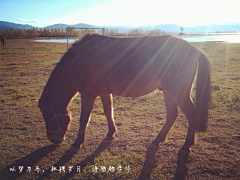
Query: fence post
pixel 67 39
pixel 68 29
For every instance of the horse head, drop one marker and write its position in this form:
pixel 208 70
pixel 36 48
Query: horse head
pixel 56 124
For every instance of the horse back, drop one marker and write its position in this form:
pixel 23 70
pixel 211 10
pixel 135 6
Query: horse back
pixel 126 65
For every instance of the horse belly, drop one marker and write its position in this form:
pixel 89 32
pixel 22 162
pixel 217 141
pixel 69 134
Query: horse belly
pixel 134 92
pixel 132 87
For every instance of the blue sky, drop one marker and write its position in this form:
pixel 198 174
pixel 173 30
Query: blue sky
pixel 41 13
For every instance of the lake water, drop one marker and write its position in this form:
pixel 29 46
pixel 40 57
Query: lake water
pixel 201 38
pixel 57 40
pixel 224 38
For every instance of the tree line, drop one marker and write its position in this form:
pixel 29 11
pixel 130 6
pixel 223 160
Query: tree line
pixel 33 32
pixel 135 32
pixel 60 33
pixel 225 32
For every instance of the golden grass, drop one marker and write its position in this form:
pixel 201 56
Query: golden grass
pixel 25 67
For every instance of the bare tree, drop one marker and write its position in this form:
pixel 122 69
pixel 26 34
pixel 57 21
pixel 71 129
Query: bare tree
pixel 181 28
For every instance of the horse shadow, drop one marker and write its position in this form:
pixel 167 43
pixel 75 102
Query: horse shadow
pixel 67 157
pixel 150 162
pixel 37 155
pixel 27 161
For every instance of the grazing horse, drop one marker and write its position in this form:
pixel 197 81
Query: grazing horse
pixel 3 41
pixel 130 67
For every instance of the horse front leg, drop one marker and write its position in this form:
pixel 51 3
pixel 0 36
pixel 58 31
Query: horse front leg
pixel 87 101
pixel 108 110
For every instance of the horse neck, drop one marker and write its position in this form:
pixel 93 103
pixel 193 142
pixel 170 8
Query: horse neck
pixel 61 99
pixel 57 93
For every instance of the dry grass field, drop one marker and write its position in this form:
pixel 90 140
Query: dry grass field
pixel 25 152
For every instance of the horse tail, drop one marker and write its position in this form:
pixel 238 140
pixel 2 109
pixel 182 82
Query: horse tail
pixel 203 93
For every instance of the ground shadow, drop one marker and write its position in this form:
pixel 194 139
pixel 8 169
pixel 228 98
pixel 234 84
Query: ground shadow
pixel 181 170
pixel 27 161
pixel 149 162
pixel 89 159
pixel 64 159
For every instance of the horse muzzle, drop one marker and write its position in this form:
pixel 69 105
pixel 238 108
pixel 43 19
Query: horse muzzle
pixel 55 138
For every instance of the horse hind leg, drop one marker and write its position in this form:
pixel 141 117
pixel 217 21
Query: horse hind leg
pixel 108 110
pixel 187 106
pixel 172 113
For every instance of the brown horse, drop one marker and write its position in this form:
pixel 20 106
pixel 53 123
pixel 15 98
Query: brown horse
pixel 3 41
pixel 131 67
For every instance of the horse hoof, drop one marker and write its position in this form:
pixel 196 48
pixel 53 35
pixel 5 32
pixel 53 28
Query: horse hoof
pixel 108 139
pixel 73 149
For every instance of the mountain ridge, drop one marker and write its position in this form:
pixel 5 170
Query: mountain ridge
pixel 169 28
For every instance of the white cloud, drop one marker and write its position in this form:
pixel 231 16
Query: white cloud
pixel 22 20
pixel 33 21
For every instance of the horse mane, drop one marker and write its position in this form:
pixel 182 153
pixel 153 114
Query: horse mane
pixel 84 38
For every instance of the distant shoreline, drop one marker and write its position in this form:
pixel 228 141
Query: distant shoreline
pixel 230 38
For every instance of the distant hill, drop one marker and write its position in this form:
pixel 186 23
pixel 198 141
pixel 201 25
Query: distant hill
pixel 214 28
pixel 64 26
pixel 170 28
pixel 7 25
pixel 173 28
pixel 57 26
